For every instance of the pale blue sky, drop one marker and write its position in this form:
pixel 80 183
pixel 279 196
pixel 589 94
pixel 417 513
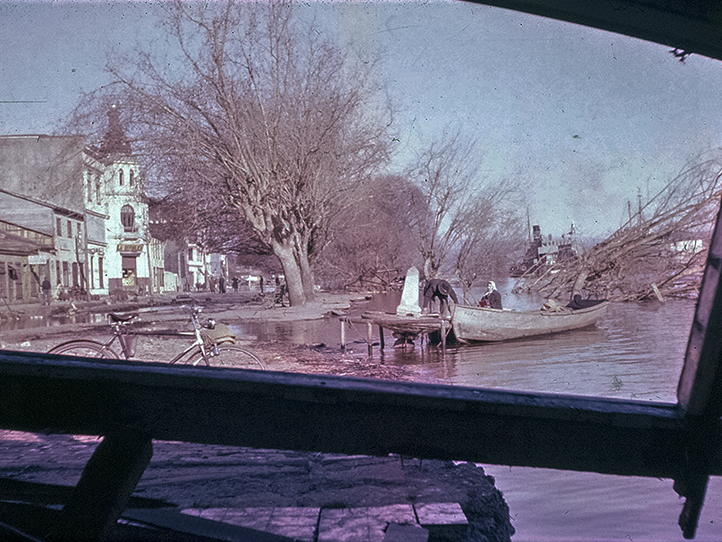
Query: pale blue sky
pixel 586 116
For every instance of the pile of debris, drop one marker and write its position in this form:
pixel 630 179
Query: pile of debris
pixel 659 252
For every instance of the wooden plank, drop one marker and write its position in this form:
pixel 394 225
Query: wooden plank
pixel 266 409
pixel 700 385
pixel 691 25
pixel 105 487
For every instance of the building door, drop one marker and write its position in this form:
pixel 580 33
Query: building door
pixel 129 272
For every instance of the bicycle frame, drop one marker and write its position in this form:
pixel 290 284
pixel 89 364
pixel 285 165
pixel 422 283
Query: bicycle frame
pixel 202 348
pixel 199 344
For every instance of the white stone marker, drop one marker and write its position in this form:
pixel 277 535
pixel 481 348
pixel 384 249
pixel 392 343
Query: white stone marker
pixel 409 305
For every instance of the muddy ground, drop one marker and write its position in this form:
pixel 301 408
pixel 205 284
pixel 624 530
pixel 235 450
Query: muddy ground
pixel 188 475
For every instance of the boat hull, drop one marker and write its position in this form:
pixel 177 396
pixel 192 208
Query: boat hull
pixel 485 324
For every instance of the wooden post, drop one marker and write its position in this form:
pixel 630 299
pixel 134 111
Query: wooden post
pixel 443 336
pixel 370 338
pixel 343 335
pixel 382 344
pixel 104 488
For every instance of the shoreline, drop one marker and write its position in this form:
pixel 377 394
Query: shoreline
pixel 284 478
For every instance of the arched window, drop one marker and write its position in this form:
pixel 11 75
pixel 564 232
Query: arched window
pixel 127 218
pixel 131 180
pixel 120 177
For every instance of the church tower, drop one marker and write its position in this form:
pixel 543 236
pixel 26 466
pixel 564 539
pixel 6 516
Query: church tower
pixel 128 259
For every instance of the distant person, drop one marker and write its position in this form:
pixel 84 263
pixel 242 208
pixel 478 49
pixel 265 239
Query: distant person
pixel 281 292
pixel 492 298
pixel 222 284
pixel 234 284
pixel 438 289
pixel 212 284
pixel 261 281
pixel 46 287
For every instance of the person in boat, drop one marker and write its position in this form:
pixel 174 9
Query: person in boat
pixel 578 303
pixel 492 298
pixel 438 289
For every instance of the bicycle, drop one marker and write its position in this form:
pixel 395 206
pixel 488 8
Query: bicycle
pixel 214 343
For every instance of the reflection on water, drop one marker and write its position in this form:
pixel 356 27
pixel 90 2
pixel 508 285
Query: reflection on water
pixel 17 320
pixel 634 351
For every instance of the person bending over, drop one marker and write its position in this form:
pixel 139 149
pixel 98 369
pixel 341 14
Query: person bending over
pixel 438 289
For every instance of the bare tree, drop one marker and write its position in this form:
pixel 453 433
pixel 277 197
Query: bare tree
pixel 457 210
pixel 491 240
pixel 372 243
pixel 206 222
pixel 269 116
pixel 446 174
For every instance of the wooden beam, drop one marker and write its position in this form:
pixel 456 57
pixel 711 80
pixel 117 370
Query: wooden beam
pixel 267 409
pixel 689 25
pixel 700 385
pixel 109 478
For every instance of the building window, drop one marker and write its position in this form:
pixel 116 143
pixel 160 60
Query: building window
pixel 97 189
pixel 120 177
pixel 131 180
pixel 127 218
pixel 89 182
pixel 59 227
pixel 70 229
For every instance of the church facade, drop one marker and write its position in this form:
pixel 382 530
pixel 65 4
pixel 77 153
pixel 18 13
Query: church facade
pixel 75 214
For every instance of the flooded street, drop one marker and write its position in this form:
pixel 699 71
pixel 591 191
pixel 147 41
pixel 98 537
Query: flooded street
pixel 635 352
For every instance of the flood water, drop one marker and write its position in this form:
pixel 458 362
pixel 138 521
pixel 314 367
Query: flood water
pixel 635 352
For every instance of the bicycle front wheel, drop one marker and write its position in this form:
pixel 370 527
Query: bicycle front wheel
pixel 84 349
pixel 229 355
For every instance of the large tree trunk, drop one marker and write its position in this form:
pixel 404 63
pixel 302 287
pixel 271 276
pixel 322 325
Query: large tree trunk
pixel 431 268
pixel 292 274
pixel 307 277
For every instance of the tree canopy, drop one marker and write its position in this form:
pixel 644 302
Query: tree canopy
pixel 263 113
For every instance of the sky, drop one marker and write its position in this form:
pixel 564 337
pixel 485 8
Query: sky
pixel 586 117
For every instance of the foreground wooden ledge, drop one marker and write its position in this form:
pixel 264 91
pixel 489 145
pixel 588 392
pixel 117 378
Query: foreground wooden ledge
pixel 266 409
pixel 131 403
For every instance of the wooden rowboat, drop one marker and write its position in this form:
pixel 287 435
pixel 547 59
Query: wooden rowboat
pixel 486 324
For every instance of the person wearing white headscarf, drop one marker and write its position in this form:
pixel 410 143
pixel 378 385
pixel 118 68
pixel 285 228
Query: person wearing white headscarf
pixel 492 298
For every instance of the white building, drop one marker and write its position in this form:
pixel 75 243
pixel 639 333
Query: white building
pixel 126 259
pixel 89 204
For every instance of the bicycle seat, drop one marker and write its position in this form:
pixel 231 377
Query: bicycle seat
pixel 122 316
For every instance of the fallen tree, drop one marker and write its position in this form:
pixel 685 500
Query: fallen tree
pixel 659 252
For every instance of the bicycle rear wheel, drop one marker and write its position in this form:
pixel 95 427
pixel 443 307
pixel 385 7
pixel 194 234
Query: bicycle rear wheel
pixel 229 355
pixel 84 349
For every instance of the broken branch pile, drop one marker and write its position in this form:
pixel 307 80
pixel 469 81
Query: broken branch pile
pixel 659 252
